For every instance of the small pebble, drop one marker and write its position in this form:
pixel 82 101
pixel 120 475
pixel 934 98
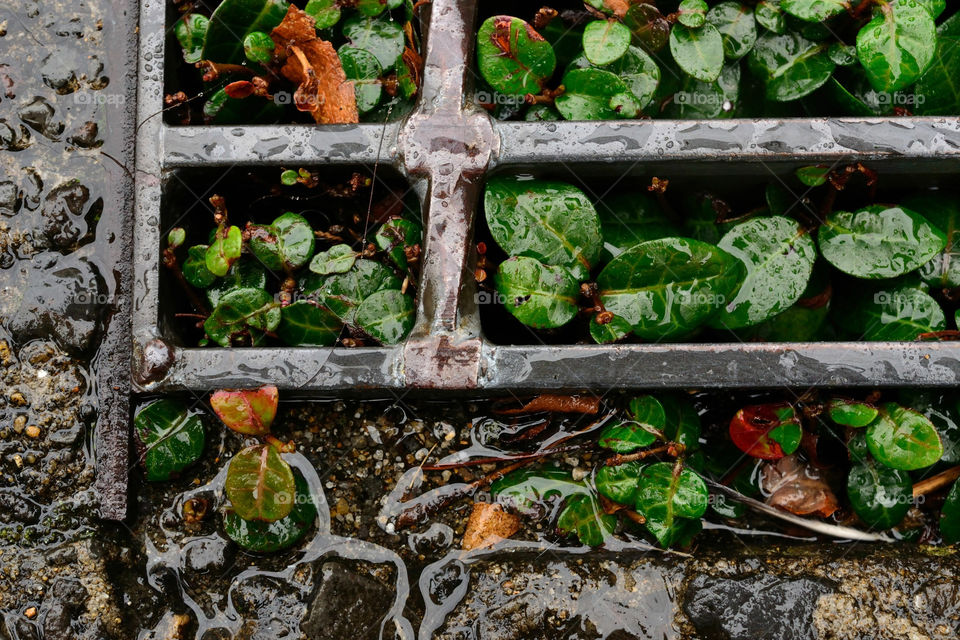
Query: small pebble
pixel 33 431
pixel 31 613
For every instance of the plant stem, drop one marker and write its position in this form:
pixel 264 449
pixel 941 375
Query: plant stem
pixel 929 485
pixel 672 449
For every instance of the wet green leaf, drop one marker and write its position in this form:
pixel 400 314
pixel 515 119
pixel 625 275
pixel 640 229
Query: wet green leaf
pixel 843 55
pixel 648 423
pixel 692 13
pixel 879 241
pixel 751 429
pixel 260 484
pixel 665 498
pixel 176 237
pixel 380 36
pixel 787 435
pixel 614 331
pixel 881 496
pixel 342 293
pixel 699 52
pixel 942 410
pixel 326 13
pixel 934 7
pixel 247 411
pixel 244 274
pixel 541 113
pixel 605 41
pixel 813 176
pixel 682 422
pixel 195 267
pixel 396 235
pixel 950 516
pixel 649 28
pixel 903 439
pixel 696 99
pixel 529 490
pixel 173 438
pixel 851 413
pixel 778 256
pixel 224 250
pixel 790 66
pixel 242 312
pixel 737 27
pixel 538 295
pixel 896 313
pixel 305 324
pixel 362 68
pixel 619 483
pixel 513 58
pixel 287 244
pixel 668 287
pixel 943 211
pixel 258 47
pixel 897 46
pixel 339 258
pixel 376 7
pixel 814 10
pixel 191 31
pixel 770 16
pixel 583 516
pixel 266 537
pixel 233 21
pixel 386 316
pixel 937 92
pixel 589 95
pixel 630 218
pixel 553 222
pixel 635 68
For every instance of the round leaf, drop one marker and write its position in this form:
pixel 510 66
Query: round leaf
pixel 247 411
pixel 665 498
pixel 682 422
pixel 890 315
pixel 790 66
pixel 538 295
pixel 588 95
pixel 619 483
pixel 244 274
pixel 668 287
pixel 769 16
pixel 260 484
pixel 897 46
pixel 395 235
pixel 692 13
pixel 879 241
pixel 605 41
pixel 386 315
pixel 191 31
pixel 266 537
pixel 342 293
pixel 737 27
pixel 814 10
pixel 224 250
pixel 903 439
pixel 287 244
pixel 361 68
pixel 614 331
pixel 627 436
pixel 326 13
pixel 173 438
pixel 881 496
pixel 699 52
pixel 553 222
pixel 339 258
pixel 751 430
pixel 258 47
pixel 583 516
pixel 943 211
pixel 242 312
pixel 936 92
pixel 850 413
pixel 649 28
pixel 233 21
pixel 529 490
pixel 304 324
pixel 195 267
pixel 778 256
pixel 513 58
pixel 380 36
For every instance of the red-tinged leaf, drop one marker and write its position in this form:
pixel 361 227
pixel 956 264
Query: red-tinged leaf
pixel 798 488
pixel 247 411
pixel 555 403
pixel 240 89
pixel 751 427
pixel 260 484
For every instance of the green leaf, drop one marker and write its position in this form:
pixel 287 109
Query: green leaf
pixel 668 287
pixel 244 274
pixel 176 237
pixel 513 58
pixel 903 439
pixel 934 7
pixel 683 422
pixel 380 36
pixel 937 92
pixel 242 312
pixel 605 41
pixel 881 496
pixel 815 10
pixel 304 324
pixel 699 52
pixel 692 13
pixel 942 410
pixel 879 241
pixel 625 436
pixel 173 438
pixel 950 516
pixel 583 516
pixel 247 411
pixel 258 47
pixel 362 68
pixel 850 413
pixel 339 258
pixel 326 13
pixel 737 27
pixel 843 55
pixel 233 21
pixel 224 251
pixel 638 71
pixel 267 537
pixel 790 66
pixel 770 16
pixel 289 177
pixel 285 245
pixel 195 267
pixel 342 293
pixel 260 484
pixel 778 256
pixel 374 7
pixel 553 222
pixel 619 483
pixel 813 176
pixel 891 314
pixel 614 331
pixel 191 31
pixel 529 490
pixel 387 316
pixel 589 95
pixel 665 498
pixel 650 30
pixel 396 235
pixel 787 435
pixel 538 295
pixel 630 218
pixel 898 45
pixel 943 211
pixel 706 100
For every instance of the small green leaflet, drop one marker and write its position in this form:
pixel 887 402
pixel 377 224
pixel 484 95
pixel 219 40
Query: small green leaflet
pixel 513 58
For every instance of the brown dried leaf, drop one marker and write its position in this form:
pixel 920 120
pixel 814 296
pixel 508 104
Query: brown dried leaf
pixel 618 7
pixel 556 403
pixel 797 487
pixel 313 64
pixel 489 523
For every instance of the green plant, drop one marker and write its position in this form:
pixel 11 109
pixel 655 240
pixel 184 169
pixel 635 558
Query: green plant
pixel 699 59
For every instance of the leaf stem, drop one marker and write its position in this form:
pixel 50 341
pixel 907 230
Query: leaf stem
pixel 673 449
pixel 942 479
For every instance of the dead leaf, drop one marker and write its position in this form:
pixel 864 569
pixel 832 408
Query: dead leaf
pixel 797 487
pixel 618 7
pixel 489 523
pixel 313 64
pixel 556 403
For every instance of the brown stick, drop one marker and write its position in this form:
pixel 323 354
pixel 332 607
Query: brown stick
pixel 480 461
pixel 672 449
pixel 938 481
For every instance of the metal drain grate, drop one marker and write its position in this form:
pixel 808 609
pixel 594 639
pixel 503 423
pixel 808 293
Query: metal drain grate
pixel 445 149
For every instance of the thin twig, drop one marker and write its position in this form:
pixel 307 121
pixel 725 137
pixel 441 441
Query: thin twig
pixel 942 479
